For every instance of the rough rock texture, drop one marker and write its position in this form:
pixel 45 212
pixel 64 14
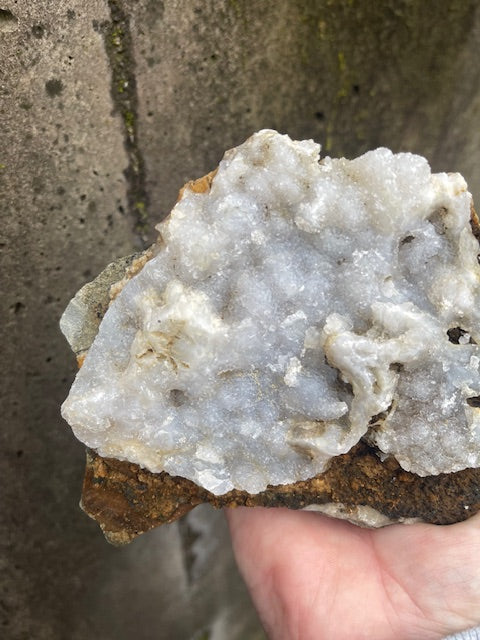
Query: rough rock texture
pixel 360 486
pixel 127 500
pixel 177 85
pixel 290 309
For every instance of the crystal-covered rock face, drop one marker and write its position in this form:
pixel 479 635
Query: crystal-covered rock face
pixel 293 309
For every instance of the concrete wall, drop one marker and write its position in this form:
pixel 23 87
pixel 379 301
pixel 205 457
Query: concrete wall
pixel 107 107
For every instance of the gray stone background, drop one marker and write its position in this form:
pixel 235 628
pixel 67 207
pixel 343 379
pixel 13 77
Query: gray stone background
pixel 107 107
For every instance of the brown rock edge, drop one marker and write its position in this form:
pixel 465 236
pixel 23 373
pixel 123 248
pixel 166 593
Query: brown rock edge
pixel 127 500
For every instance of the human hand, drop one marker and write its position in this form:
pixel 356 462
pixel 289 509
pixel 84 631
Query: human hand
pixel 316 578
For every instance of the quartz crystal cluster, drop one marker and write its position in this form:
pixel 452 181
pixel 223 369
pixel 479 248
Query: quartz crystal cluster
pixel 296 307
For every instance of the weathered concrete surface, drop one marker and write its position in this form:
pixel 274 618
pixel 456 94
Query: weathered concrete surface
pixel 352 75
pixel 107 107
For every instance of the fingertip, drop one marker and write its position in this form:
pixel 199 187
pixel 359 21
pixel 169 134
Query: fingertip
pixel 234 517
pixel 253 525
pixel 241 517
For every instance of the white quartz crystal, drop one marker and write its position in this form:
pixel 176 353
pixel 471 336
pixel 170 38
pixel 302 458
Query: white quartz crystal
pixel 362 515
pixel 293 309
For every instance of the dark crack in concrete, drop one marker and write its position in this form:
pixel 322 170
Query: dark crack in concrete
pixel 119 48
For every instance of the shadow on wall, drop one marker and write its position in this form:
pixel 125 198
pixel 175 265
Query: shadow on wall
pixel 107 109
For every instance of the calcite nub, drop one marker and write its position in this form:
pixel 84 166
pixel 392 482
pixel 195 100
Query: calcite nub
pixel 294 308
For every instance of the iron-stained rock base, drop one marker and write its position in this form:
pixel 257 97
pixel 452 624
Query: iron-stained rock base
pixel 127 500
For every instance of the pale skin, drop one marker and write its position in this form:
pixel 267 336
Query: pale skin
pixel 317 578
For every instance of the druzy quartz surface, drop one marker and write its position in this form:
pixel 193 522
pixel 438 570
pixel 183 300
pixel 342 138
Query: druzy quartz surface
pixel 296 307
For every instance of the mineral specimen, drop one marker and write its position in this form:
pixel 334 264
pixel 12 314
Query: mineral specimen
pixel 294 309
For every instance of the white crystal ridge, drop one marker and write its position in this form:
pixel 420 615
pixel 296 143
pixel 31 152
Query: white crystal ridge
pixel 296 307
